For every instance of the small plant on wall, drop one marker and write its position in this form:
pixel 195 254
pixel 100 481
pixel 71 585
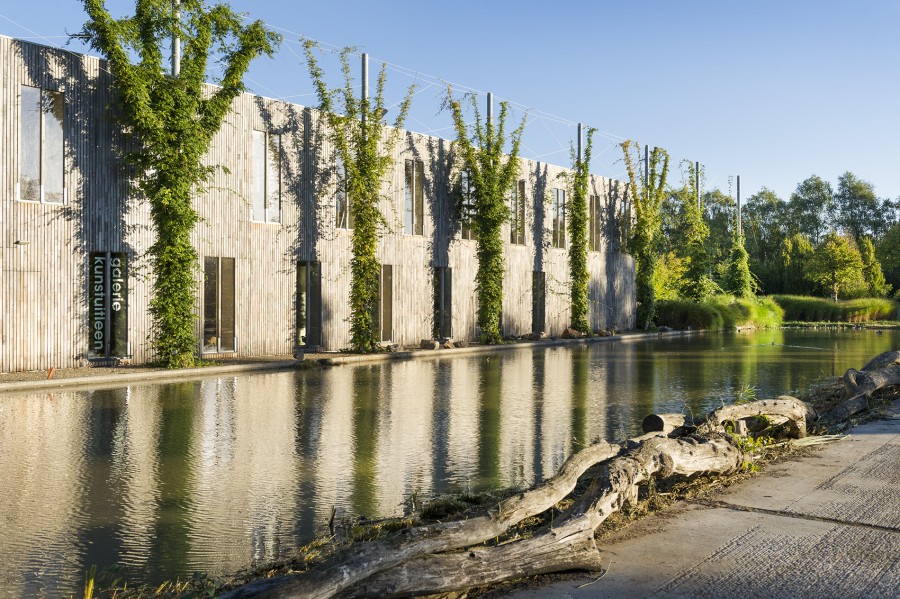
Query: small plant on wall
pixel 171 120
pixel 647 196
pixel 357 130
pixel 492 176
pixel 578 241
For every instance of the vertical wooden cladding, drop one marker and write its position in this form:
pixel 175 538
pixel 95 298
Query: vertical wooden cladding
pixel 43 284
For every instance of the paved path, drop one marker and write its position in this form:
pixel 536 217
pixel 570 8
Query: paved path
pixel 827 525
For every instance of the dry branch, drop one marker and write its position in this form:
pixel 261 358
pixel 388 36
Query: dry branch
pixel 798 413
pixel 365 559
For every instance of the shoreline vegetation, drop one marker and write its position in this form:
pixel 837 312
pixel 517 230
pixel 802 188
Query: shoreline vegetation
pixel 725 312
pixel 758 433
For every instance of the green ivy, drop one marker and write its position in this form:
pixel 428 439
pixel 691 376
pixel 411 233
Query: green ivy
pixel 578 241
pixel 480 151
pixel 171 120
pixel 647 201
pixel 357 127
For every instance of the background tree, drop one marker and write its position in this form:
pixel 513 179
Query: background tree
pixel 857 207
pixel 647 198
pixel 796 252
pixel 480 148
pixel 738 279
pixel 887 251
pixel 357 129
pixel 872 273
pixel 171 121
pixel 836 265
pixel 719 208
pixel 765 226
pixel 690 239
pixel 812 208
pixel 578 241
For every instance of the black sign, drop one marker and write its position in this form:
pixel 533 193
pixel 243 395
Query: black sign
pixel 108 304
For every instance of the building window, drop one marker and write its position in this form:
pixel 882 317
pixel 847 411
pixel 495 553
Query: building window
pixel 309 304
pixel 559 218
pixel 108 304
pixel 41 146
pixel 517 214
pixel 265 185
pixel 466 206
pixel 218 305
pixel 414 198
pixel 343 218
pixel 443 302
pixel 594 223
pixel 386 303
pixel 538 301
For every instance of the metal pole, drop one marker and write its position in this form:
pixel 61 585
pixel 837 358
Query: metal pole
pixel 646 166
pixel 579 142
pixel 176 39
pixel 365 87
pixel 739 205
pixel 697 182
pixel 490 109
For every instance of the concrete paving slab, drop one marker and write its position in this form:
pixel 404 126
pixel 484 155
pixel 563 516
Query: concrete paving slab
pixel 826 525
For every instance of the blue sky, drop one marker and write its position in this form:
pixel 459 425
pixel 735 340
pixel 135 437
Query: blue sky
pixel 771 91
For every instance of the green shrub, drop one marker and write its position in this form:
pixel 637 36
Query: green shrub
pixel 720 312
pixel 818 309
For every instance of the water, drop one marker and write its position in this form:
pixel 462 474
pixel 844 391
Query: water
pixel 164 480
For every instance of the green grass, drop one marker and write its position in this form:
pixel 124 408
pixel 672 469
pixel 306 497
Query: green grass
pixel 817 309
pixel 721 312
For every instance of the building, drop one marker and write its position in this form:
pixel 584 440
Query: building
pixel 274 238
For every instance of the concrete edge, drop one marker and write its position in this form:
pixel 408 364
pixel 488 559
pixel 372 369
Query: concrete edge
pixel 106 381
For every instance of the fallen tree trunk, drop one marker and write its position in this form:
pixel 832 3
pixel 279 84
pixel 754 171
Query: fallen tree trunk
pixel 881 371
pixel 569 544
pixel 365 559
pixel 666 423
pixel 416 559
pixel 797 412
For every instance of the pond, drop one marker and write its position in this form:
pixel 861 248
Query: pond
pixel 162 480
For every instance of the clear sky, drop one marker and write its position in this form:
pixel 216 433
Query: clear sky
pixel 773 91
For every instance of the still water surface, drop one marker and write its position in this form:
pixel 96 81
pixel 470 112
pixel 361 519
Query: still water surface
pixel 167 479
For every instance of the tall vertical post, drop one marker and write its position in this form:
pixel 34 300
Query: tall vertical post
pixel 490 109
pixel 697 182
pixel 365 87
pixel 176 39
pixel 739 206
pixel 580 134
pixel 646 166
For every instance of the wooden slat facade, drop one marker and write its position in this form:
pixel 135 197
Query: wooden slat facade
pixel 44 286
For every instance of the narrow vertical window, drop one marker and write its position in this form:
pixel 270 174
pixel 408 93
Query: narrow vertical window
pixel 108 304
pixel 309 304
pixel 538 301
pixel 218 305
pixel 343 218
pixel 594 223
pixel 414 198
pixel 386 303
pixel 467 206
pixel 41 146
pixel 559 218
pixel 443 302
pixel 517 214
pixel 265 184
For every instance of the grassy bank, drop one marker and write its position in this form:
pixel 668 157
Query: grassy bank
pixel 722 312
pixel 817 309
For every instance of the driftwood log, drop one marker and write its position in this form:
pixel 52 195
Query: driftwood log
pixel 427 559
pixel 859 385
pixel 797 413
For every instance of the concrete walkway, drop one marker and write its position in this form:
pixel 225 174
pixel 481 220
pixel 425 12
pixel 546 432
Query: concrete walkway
pixel 826 525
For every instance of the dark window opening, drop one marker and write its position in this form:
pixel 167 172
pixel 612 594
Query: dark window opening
pixel 218 305
pixel 443 302
pixel 517 214
pixel 467 206
pixel 414 198
pixel 309 304
pixel 386 303
pixel 559 218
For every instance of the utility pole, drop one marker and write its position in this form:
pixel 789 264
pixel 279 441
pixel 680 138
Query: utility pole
pixel 365 87
pixel 579 141
pixel 739 206
pixel 646 166
pixel 490 109
pixel 176 38
pixel 697 182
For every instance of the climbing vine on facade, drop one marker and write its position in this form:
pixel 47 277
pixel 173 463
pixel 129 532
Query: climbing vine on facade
pixel 357 130
pixel 647 196
pixel 479 149
pixel 171 120
pixel 578 241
